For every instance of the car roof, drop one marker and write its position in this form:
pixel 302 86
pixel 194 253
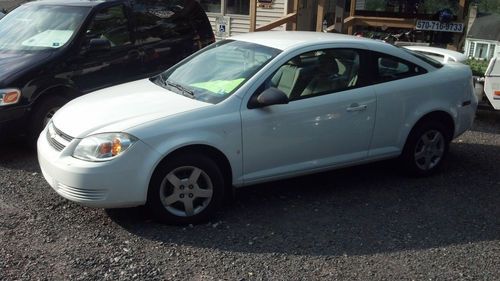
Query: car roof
pixel 283 40
pixel 86 3
pixel 440 51
pixel 289 40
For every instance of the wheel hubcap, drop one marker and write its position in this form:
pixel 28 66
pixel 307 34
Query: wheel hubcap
pixel 186 191
pixel 429 150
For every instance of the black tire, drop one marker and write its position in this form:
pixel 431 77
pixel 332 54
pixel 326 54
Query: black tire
pixel 420 159
pixel 182 166
pixel 41 113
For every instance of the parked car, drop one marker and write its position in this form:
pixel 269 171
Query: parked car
pixel 54 51
pixel 439 54
pixel 1 15
pixel 254 108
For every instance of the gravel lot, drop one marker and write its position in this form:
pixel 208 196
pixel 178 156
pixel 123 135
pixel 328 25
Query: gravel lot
pixel 362 223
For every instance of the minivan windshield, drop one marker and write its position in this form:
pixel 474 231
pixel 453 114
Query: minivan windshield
pixel 40 27
pixel 217 71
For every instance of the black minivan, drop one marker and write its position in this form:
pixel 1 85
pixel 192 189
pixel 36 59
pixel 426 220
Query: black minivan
pixel 53 51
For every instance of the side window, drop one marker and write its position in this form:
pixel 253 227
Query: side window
pixel 390 68
pixel 160 20
pixel 111 24
pixel 317 73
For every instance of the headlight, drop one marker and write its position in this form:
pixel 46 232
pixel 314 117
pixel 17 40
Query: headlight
pixel 103 147
pixel 9 96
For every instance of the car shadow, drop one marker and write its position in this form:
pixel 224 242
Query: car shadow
pixel 356 211
pixel 15 155
pixel 487 121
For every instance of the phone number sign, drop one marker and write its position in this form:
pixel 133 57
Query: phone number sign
pixel 439 26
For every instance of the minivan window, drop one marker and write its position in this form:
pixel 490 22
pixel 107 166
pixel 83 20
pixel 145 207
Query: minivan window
pixel 217 71
pixel 40 27
pixel 111 24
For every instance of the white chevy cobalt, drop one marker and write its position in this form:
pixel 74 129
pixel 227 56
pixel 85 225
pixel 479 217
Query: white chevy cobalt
pixel 257 107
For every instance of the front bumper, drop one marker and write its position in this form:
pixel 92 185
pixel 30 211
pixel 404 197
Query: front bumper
pixel 121 182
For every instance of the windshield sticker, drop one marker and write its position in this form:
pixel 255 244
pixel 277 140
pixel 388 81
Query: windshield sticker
pixel 49 39
pixel 220 87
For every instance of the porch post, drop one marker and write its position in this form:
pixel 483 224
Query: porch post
pixel 253 15
pixel 351 14
pixel 320 15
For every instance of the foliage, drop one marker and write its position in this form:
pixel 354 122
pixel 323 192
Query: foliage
pixel 488 6
pixel 375 5
pixel 433 6
pixel 478 67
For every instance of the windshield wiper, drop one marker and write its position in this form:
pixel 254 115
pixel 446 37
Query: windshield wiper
pixel 185 91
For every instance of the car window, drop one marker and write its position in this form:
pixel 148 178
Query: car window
pixel 391 68
pixel 40 27
pixel 216 72
pixel 434 62
pixel 110 23
pixel 160 20
pixel 316 73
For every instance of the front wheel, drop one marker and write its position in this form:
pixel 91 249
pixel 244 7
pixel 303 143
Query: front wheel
pixel 185 189
pixel 425 148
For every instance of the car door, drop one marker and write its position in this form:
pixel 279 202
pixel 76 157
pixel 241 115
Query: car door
pixel 328 121
pixel 114 62
pixel 399 89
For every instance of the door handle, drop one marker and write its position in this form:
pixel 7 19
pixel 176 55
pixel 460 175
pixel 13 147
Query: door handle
pixel 356 107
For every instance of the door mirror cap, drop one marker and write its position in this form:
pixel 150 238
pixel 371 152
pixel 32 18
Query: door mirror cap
pixel 270 96
pixel 99 44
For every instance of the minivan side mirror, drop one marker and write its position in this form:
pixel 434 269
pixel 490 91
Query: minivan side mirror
pixel 99 44
pixel 269 96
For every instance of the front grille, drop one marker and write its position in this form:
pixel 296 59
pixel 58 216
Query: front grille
pixel 63 135
pixel 54 143
pixel 81 194
pixel 57 138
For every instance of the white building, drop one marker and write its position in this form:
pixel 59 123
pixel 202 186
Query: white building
pixel 483 37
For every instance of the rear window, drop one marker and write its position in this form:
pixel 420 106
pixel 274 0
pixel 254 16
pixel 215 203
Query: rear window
pixel 425 58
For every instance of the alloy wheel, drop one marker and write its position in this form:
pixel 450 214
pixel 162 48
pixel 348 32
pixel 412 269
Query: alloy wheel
pixel 186 191
pixel 429 150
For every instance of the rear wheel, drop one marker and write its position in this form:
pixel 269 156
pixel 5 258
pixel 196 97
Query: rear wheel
pixel 425 148
pixel 185 189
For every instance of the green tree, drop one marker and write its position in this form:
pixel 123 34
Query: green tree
pixel 488 6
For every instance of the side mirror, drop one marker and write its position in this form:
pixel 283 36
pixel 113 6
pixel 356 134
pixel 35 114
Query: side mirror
pixel 269 97
pixel 99 44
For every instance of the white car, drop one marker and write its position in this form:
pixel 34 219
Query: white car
pixel 439 54
pixel 255 108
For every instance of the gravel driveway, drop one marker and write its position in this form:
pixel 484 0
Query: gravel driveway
pixel 362 223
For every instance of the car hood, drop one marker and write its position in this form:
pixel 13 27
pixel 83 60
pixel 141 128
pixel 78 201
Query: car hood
pixel 118 108
pixel 13 62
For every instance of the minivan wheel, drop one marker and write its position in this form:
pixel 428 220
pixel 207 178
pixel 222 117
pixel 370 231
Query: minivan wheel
pixel 185 189
pixel 42 112
pixel 425 148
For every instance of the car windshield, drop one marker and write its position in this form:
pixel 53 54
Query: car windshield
pixel 40 27
pixel 217 71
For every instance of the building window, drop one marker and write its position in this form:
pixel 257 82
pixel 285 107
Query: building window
pixel 492 51
pixel 481 51
pixel 212 6
pixel 471 49
pixel 238 7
